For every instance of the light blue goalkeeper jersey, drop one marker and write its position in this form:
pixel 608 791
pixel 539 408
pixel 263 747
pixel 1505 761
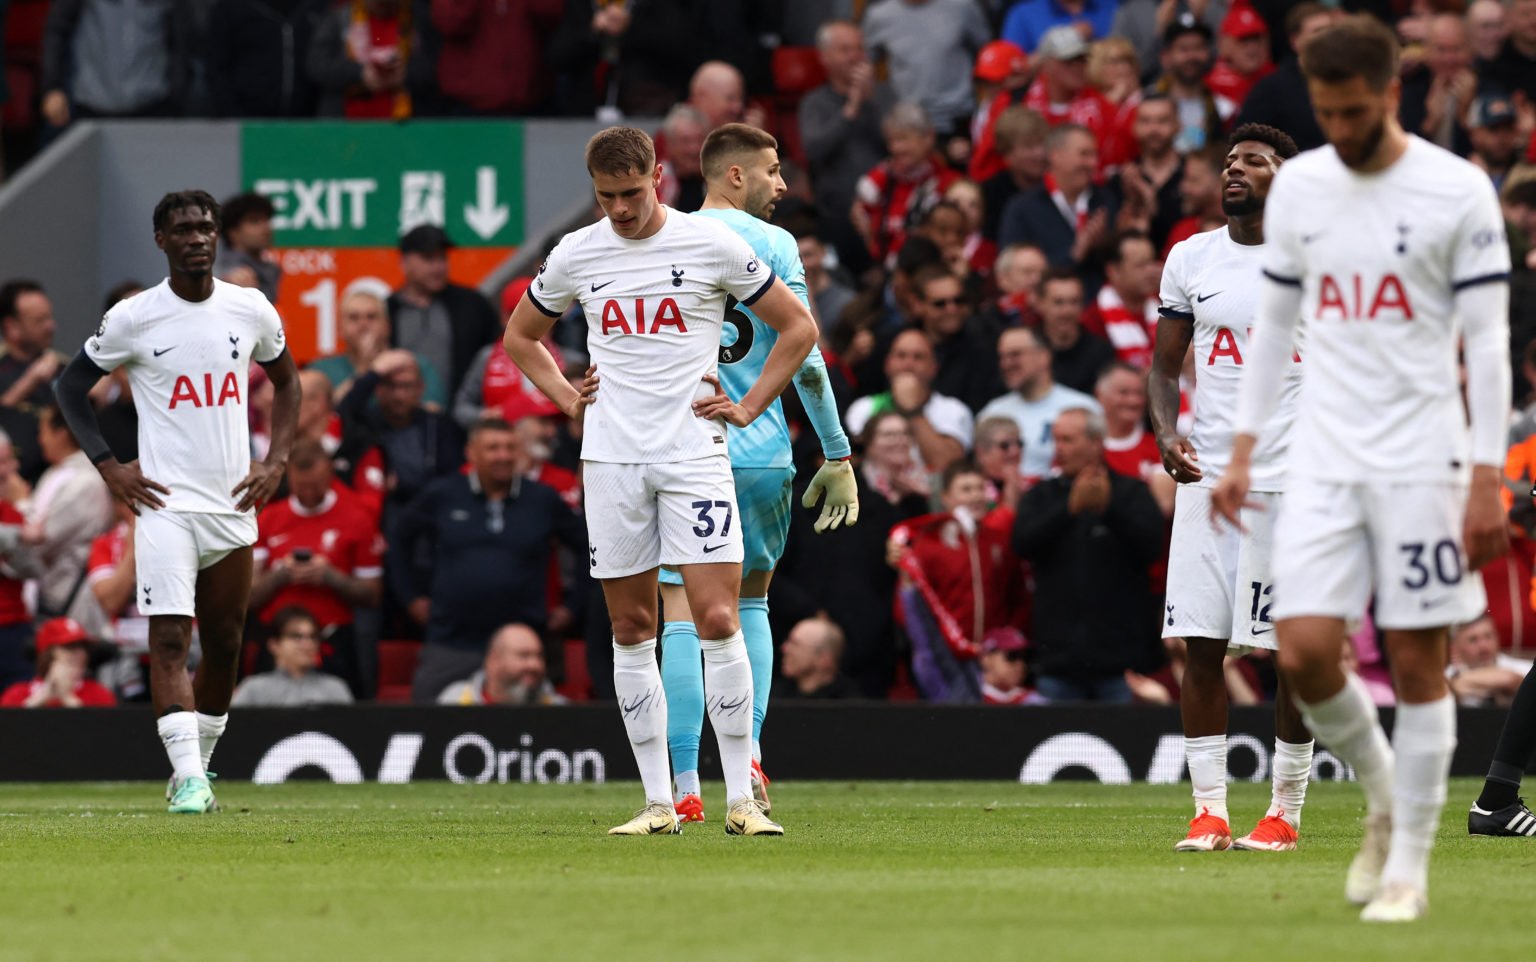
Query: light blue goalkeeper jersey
pixel 744 345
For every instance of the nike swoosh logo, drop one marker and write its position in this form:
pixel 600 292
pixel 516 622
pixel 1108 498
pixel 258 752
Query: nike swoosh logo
pixel 1201 299
pixel 598 287
pixel 1255 631
pixel 1309 238
pixel 164 349
pixel 712 547
pixel 1425 603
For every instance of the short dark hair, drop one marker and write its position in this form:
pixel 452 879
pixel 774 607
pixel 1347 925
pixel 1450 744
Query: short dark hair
pixel 182 200
pixel 490 422
pixel 729 141
pixel 242 207
pixel 945 205
pixel 616 151
pixel 1300 14
pixel 1052 275
pixel 1278 140
pixel 1114 251
pixel 11 291
pixel 1357 46
pixel 306 453
pixel 929 273
pixel 957 469
pixel 53 415
pixel 287 616
pixel 916 253
pixel 119 292
pixel 1522 194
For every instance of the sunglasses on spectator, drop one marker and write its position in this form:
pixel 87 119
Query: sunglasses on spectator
pixel 947 302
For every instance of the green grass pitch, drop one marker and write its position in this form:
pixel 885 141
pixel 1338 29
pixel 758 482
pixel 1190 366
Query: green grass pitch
pixel 952 872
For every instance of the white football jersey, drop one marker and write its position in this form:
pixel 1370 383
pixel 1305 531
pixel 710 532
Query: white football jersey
pixel 1379 258
pixel 1215 281
pixel 187 364
pixel 654 309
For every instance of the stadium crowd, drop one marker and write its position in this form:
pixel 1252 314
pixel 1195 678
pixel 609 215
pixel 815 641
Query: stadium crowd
pixel 983 195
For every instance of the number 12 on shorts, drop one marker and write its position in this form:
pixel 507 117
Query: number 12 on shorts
pixel 1261 591
pixel 706 526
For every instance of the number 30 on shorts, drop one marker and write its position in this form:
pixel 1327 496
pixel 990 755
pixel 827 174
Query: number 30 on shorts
pixel 1444 557
pixel 706 526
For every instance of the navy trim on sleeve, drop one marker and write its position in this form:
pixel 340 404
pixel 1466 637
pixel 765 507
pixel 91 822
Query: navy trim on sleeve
pixel 86 358
pixel 761 290
pixel 1484 279
pixel 542 309
pixel 1287 281
pixel 1176 315
pixel 266 364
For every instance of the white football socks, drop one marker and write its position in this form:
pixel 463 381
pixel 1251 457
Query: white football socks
pixel 637 684
pixel 728 697
pixel 1207 760
pixel 178 733
pixel 1348 725
pixel 1424 738
pixel 686 783
pixel 1290 770
pixel 209 729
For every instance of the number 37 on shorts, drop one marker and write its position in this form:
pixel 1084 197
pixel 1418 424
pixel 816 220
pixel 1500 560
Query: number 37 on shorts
pixel 640 516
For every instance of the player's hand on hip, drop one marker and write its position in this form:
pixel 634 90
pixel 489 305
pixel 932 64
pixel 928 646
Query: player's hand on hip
pixel 1486 529
pixel 257 487
pixel 128 485
pixel 586 395
pixel 1180 459
pixel 1230 497
pixel 836 479
pixel 719 405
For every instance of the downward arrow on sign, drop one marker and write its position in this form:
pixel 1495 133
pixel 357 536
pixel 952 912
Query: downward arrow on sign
pixel 485 217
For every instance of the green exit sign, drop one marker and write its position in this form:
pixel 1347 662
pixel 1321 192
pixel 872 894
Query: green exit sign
pixel 363 184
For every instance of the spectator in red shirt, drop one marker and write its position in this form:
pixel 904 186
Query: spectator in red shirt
pixel 493 385
pixel 319 550
pixel 892 198
pixel 1244 49
pixel 1002 74
pixel 1062 94
pixel 1130 449
pixel 64 652
pixel 16 565
pixel 373 59
pixel 1125 310
pixel 492 55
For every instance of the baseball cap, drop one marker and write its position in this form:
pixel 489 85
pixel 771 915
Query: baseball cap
pixel 1004 640
pixel 1490 109
pixel 1062 43
pixel 60 631
pixel 1242 22
pixel 1185 23
pixel 425 239
pixel 998 59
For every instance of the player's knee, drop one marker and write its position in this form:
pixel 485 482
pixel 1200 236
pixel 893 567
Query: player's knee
pixel 170 643
pixel 632 627
pixel 1296 660
pixel 717 620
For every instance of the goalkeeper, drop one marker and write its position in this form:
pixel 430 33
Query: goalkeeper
pixel 741 172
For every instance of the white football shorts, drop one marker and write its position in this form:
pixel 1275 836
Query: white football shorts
pixel 640 516
pixel 171 547
pixel 1337 544
pixel 1219 582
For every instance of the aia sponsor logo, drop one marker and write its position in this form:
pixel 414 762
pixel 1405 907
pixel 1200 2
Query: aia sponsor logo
pixel 202 394
pixel 1355 298
pixel 640 318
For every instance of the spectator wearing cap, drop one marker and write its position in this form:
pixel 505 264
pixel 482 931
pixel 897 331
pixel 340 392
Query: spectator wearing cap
pixel 1002 75
pixel 1282 99
pixel 1034 399
pixel 1186 61
pixel 1028 21
pixel 1148 187
pixel 1486 30
pixel 1062 94
pixel 295 680
pixel 513 673
pixel 64 654
pixel 245 257
pixel 1142 23
pixel 810 662
pixel 432 316
pixel 1068 215
pixel 892 198
pixel 1005 669
pixel 1243 54
pixel 929 46
pixel 366 332
pixel 840 129
pixel 374 59
pixel 1494 135
pixel 492 59
pixel 1017 139
pixel 1082 530
pixel 1514 69
pixel 1436 96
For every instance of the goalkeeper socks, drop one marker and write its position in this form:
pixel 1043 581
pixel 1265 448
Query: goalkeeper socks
pixel 178 733
pixel 637 684
pixel 1290 770
pixel 682 675
pixel 759 638
pixel 1207 759
pixel 1424 738
pixel 1515 751
pixel 1348 725
pixel 728 695
pixel 209 729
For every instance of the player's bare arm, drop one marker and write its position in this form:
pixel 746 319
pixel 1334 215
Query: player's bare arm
pixel 266 476
pixel 126 482
pixel 781 310
pixel 1180 459
pixel 524 344
pixel 1230 495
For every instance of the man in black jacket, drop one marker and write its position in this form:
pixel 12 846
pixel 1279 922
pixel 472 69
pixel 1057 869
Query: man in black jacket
pixel 1091 535
pixel 1281 99
pixel 1068 215
pixel 447 323
pixel 256 51
pixel 471 553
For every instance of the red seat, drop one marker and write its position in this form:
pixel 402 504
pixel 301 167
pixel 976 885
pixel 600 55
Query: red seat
pixel 397 666
pixel 24 23
pixel 578 683
pixel 797 71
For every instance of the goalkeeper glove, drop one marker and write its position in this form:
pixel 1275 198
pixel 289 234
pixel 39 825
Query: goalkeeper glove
pixel 842 503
